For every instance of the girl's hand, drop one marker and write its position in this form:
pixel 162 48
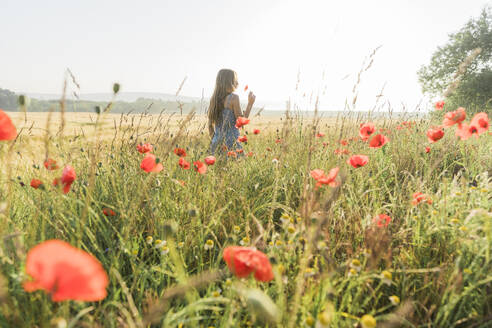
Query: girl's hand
pixel 251 98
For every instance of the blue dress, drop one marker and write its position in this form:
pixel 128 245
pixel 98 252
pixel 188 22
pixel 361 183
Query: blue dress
pixel 225 134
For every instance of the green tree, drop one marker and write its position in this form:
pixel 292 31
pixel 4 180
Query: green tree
pixel 461 70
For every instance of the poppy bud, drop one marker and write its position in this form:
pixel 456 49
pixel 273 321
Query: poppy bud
pixel 97 109
pixel 273 260
pixel 169 229
pixel 22 100
pixel 116 88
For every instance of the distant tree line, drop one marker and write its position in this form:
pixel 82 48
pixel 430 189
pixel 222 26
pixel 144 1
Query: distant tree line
pixel 9 101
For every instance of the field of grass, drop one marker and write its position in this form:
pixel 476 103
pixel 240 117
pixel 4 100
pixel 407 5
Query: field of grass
pixel 333 265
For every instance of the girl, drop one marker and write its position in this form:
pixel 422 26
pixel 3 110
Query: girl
pixel 223 112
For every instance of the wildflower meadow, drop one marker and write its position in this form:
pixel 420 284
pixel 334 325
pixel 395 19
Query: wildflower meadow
pixel 357 221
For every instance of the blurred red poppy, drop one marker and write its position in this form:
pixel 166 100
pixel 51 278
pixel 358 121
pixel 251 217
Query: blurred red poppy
pixel 241 121
pixel 149 164
pixel 108 212
pixel 419 197
pixel 239 151
pixel 358 160
pixel 249 154
pixel 320 135
pixel 65 272
pixel 200 167
pixel 343 142
pixel 184 164
pixel 481 122
pixel 465 131
pixel 256 131
pixel 242 261
pixel 366 130
pixel 242 139
pixel 278 140
pixel 209 160
pixel 231 154
pixel 382 220
pixel 246 87
pixel 180 152
pixel 7 128
pixel 434 134
pixel 427 149
pixel 50 164
pixel 67 178
pixel 378 141
pixel 35 183
pixel 454 117
pixel 144 148
pixel 341 152
pixel 440 105
pixel 322 179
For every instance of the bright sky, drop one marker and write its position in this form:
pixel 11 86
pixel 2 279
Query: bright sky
pixel 150 46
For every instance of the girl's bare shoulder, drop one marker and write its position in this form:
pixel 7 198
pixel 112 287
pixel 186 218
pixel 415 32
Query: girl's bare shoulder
pixel 234 97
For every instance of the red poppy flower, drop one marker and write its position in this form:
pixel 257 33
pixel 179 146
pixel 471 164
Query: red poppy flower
pixel 465 131
pixel 144 148
pixel 366 130
pixel 246 87
pixel 325 144
pixel 239 151
pixel 427 149
pixel 358 160
pixel 241 121
pixel 320 135
pixel 242 139
pixel 249 154
pixel 184 164
pixel 434 134
pixel 481 122
pixel 256 131
pixel 382 220
pixel 322 179
pixel 50 164
pixel 419 197
pixel 200 167
pixel 209 160
pixel 65 272
pixel 35 183
pixel 108 212
pixel 343 142
pixel 67 178
pixel 7 128
pixel 231 154
pixel 149 164
pixel 278 141
pixel 440 105
pixel 454 117
pixel 341 152
pixel 242 261
pixel 180 152
pixel 378 141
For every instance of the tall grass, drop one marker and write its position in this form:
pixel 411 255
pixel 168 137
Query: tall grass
pixel 438 254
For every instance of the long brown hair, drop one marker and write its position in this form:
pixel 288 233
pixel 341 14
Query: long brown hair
pixel 225 84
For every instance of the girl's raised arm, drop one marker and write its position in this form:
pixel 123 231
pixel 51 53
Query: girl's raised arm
pixel 236 106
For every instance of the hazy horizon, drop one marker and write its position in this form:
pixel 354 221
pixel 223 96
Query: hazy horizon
pixel 151 47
